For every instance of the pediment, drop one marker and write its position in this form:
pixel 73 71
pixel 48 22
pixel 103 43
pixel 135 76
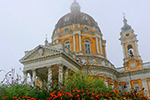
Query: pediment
pixel 38 52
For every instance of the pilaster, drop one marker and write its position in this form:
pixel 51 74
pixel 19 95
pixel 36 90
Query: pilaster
pixel 33 77
pixel 74 42
pixel 80 47
pixel 97 45
pixel 100 42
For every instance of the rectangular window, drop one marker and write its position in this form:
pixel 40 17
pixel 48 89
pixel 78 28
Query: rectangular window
pixel 122 89
pixel 137 87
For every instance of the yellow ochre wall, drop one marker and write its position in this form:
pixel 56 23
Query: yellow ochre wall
pixel 90 37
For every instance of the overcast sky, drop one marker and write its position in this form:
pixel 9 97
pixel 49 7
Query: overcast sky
pixel 24 24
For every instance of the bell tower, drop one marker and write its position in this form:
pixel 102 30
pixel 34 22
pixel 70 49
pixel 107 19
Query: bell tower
pixel 132 59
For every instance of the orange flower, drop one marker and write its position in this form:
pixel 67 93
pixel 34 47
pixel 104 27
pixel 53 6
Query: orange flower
pixel 91 97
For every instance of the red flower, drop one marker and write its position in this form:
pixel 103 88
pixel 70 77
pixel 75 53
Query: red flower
pixel 73 90
pixel 146 97
pixel 14 97
pixel 87 88
pixel 5 96
pixel 91 97
pixel 82 91
pixel 107 94
pixel 97 96
pixel 93 94
pixel 78 95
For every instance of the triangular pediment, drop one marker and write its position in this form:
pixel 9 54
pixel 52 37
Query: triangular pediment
pixel 38 52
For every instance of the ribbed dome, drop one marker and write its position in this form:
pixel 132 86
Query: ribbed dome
pixel 76 18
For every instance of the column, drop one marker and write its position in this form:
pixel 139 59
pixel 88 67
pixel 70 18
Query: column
pixel 49 77
pixel 105 80
pixel 123 50
pixel 144 82
pixel 100 42
pixel 66 73
pixel 74 42
pixel 129 87
pixel 60 75
pixel 41 83
pixel 25 76
pixel 137 51
pixel 112 83
pixel 80 47
pixel 57 40
pixel 33 77
pixel 97 45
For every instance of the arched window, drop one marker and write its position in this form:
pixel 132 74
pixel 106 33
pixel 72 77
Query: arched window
pixel 67 44
pixel 130 51
pixel 86 28
pixel 87 47
pixel 66 29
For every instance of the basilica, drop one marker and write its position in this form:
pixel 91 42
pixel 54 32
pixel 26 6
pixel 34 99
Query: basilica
pixel 77 44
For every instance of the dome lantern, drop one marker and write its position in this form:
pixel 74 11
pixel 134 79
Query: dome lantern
pixel 75 7
pixel 126 27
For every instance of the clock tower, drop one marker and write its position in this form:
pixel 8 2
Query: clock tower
pixel 132 59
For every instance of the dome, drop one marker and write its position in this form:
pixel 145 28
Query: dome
pixel 76 17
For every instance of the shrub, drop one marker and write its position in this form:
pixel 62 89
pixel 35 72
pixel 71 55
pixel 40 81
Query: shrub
pixel 81 82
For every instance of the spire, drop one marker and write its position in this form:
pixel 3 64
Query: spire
pixel 124 19
pixel 126 27
pixel 75 7
pixel 46 41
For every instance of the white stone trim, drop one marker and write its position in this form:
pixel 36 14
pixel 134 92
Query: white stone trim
pixel 97 45
pixel 74 42
pixel 33 77
pixel 60 75
pixel 80 42
pixel 100 42
pixel 123 51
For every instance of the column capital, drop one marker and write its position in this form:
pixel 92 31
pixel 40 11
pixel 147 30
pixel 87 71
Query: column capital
pixel 60 64
pixel 48 66
pixel 33 69
pixel 74 34
pixel 24 71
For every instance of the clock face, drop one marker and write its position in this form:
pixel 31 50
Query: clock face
pixel 132 64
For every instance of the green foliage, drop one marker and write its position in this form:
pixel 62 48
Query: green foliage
pixel 16 90
pixel 24 90
pixel 81 82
